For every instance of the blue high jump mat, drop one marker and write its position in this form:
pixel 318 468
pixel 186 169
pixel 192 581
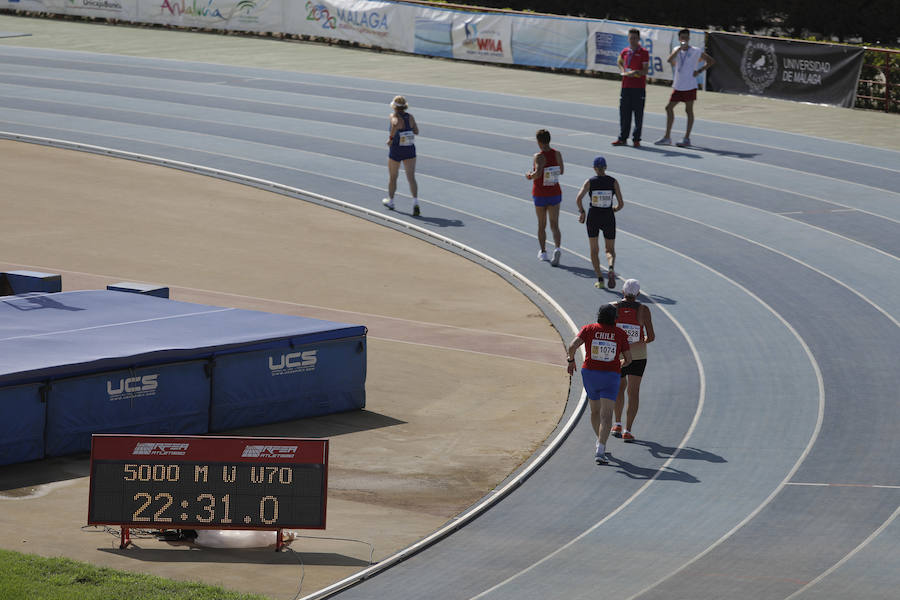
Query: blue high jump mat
pixel 83 362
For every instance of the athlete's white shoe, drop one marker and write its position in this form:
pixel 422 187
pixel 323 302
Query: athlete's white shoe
pixel 556 254
pixel 542 255
pixel 388 203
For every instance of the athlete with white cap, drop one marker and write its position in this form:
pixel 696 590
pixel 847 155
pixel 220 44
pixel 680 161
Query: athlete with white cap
pixel 634 318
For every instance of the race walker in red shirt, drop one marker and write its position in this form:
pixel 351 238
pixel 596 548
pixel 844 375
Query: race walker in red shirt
pixel 547 166
pixel 604 344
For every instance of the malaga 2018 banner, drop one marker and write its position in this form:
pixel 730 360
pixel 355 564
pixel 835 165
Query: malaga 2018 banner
pixel 790 70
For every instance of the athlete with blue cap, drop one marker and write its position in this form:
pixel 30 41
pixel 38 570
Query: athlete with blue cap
pixel 601 217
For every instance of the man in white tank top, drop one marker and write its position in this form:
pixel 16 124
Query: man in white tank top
pixel 685 61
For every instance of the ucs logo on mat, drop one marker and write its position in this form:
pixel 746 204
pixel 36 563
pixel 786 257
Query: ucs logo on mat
pixel 131 387
pixel 293 362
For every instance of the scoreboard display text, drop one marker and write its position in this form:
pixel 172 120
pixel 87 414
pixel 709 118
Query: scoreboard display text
pixel 194 482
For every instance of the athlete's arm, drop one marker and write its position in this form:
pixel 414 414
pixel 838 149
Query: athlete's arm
pixel 570 355
pixel 647 322
pixel 395 125
pixel 559 161
pixel 627 360
pixel 619 201
pixel 705 58
pixel 415 127
pixel 538 166
pixel 584 190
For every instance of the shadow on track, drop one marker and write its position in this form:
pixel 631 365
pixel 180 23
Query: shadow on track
pixel 660 451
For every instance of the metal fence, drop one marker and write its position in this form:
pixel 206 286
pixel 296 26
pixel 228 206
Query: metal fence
pixel 879 80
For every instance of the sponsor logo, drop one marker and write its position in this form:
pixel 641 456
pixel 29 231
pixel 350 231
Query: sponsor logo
pixel 160 449
pixel 294 362
pixel 110 5
pixel 269 452
pixel 195 8
pixel 759 65
pixel 363 21
pixel 132 387
pixel 319 13
pixel 486 43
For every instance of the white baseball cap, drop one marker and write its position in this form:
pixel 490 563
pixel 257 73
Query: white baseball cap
pixel 632 287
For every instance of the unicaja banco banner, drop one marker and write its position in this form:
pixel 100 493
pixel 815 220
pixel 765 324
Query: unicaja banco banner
pixel 786 69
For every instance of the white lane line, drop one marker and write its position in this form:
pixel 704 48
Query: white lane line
pixel 848 556
pixel 845 485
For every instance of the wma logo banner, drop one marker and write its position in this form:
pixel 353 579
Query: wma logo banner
pixel 293 362
pixel 485 38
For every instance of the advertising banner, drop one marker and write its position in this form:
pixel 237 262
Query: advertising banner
pixel 432 32
pixel 482 37
pixel 29 5
pixel 233 15
pixel 381 24
pixel 606 39
pixel 549 42
pixel 125 10
pixel 786 69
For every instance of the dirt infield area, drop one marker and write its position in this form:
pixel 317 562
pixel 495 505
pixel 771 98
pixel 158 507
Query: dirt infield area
pixel 466 377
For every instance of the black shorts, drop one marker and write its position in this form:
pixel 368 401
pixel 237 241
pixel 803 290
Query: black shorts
pixel 635 368
pixel 601 219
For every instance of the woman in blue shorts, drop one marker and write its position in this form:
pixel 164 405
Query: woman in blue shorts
pixel 600 373
pixel 547 166
pixel 401 141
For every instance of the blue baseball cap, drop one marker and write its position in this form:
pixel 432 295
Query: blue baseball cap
pixel 599 162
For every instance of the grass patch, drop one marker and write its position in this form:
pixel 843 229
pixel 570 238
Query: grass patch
pixel 32 577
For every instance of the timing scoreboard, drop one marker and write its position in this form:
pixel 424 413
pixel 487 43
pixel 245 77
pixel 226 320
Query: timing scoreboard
pixel 207 482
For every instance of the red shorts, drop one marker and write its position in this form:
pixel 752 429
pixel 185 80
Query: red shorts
pixel 683 95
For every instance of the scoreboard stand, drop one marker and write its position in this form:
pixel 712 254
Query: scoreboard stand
pixel 207 482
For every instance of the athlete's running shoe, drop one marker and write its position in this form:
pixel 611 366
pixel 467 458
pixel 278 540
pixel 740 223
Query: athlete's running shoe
pixel 556 254
pixel 685 143
pixel 616 430
pixel 637 143
pixel 627 436
pixel 542 255
pixel 611 282
pixel 620 143
pixel 664 141
pixel 388 203
pixel 598 284
pixel 600 454
pixel 416 211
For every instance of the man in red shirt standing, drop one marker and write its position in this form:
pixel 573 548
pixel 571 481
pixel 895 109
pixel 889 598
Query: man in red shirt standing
pixel 634 62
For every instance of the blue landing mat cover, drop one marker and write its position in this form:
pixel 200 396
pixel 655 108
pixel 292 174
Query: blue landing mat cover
pixel 77 363
pixel 71 333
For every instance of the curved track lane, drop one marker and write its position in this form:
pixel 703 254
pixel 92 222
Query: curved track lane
pixel 765 466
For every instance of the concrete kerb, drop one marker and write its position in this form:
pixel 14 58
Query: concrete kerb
pixel 560 319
